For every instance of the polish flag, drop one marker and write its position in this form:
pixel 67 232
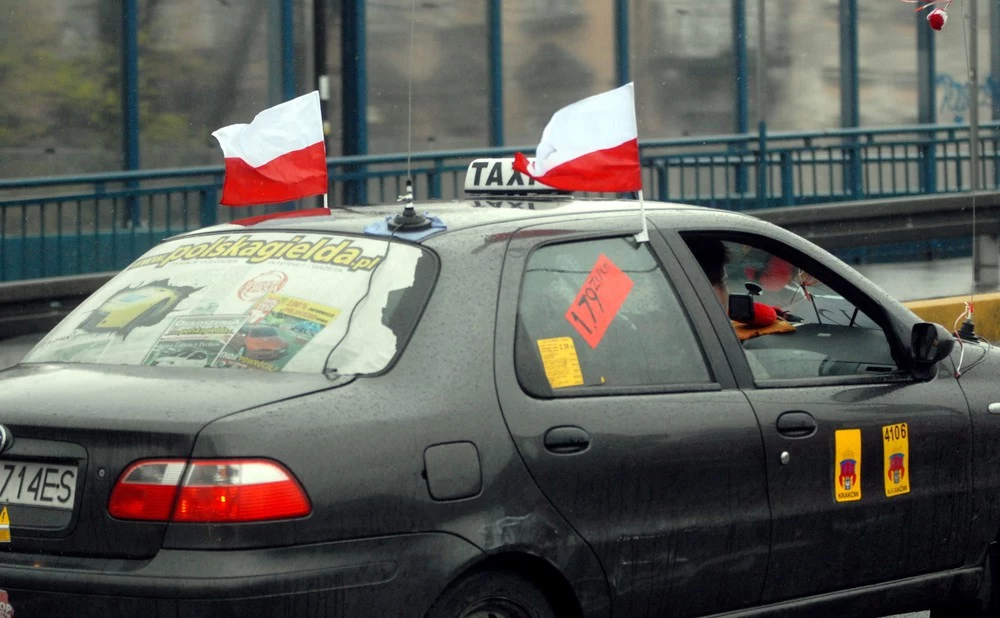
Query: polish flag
pixel 280 156
pixel 590 145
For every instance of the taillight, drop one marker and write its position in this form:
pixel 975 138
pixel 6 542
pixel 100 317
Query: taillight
pixel 146 490
pixel 221 490
pixel 211 491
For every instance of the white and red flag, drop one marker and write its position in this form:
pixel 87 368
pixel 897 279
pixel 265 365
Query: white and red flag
pixel 280 156
pixel 590 145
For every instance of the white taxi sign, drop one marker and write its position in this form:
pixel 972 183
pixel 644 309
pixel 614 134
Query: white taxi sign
pixel 499 176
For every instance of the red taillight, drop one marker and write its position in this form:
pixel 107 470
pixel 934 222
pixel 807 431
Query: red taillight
pixel 212 491
pixel 220 491
pixel 146 490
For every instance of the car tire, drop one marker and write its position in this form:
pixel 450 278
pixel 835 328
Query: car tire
pixel 492 594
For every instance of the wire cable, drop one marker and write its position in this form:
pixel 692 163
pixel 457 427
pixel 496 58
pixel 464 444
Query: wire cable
pixel 961 356
pixel 985 346
pixel 954 327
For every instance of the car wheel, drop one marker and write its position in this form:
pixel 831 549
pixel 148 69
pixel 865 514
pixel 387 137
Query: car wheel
pixel 492 594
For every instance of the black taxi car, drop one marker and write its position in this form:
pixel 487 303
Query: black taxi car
pixel 497 407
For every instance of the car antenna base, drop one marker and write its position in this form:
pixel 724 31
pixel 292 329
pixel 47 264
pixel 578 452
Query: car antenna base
pixel 409 219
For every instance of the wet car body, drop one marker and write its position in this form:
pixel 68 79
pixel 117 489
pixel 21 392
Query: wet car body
pixel 627 501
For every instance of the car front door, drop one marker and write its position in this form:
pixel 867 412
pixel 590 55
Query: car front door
pixel 868 468
pixel 629 422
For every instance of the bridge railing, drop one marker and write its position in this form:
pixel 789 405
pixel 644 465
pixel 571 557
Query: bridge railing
pixel 96 223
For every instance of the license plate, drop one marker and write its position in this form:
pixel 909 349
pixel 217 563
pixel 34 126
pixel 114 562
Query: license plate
pixel 37 484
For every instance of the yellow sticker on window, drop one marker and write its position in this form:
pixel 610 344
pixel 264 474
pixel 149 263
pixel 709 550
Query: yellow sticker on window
pixel 847 465
pixel 896 450
pixel 562 365
pixel 4 526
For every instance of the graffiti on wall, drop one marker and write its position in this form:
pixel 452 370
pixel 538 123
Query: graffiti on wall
pixel 953 97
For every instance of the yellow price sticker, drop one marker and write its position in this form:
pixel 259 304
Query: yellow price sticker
pixel 562 365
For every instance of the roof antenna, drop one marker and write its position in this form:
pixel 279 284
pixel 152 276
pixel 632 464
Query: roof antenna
pixel 968 329
pixel 409 219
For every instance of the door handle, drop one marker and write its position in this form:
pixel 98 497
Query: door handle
pixel 566 440
pixel 796 425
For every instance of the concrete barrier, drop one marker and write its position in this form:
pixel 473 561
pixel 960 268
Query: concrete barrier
pixel 36 305
pixel 944 311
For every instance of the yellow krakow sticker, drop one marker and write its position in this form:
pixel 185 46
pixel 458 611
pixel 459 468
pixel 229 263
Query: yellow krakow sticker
pixel 896 450
pixel 4 526
pixel 847 465
pixel 562 365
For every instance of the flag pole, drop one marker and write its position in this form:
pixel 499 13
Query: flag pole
pixel 642 236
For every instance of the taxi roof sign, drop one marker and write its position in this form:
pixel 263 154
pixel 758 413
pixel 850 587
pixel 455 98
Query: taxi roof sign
pixel 498 176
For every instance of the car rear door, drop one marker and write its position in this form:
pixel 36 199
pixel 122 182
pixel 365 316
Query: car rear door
pixel 868 469
pixel 625 411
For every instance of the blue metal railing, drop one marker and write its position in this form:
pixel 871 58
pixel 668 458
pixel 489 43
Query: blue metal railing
pixel 101 222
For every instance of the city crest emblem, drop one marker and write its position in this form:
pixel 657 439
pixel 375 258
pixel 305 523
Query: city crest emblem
pixel 896 468
pixel 848 478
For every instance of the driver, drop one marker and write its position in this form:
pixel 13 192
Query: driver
pixel 713 255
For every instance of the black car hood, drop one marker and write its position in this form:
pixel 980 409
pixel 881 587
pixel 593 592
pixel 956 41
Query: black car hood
pixel 123 396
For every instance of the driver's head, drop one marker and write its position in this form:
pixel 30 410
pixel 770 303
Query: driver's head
pixel 713 256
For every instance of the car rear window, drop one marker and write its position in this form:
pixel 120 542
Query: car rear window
pixel 275 301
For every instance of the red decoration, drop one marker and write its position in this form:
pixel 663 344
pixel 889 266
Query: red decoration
pixel 937 18
pixel 777 274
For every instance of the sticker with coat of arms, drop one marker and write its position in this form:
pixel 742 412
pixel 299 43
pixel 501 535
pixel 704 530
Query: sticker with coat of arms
pixel 896 450
pixel 847 465
pixel 6 609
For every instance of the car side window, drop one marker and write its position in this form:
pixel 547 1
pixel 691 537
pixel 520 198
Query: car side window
pixel 813 331
pixel 601 313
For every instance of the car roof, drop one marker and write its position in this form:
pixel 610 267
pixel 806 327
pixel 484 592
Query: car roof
pixel 465 214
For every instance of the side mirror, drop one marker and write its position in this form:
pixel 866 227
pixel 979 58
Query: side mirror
pixel 929 344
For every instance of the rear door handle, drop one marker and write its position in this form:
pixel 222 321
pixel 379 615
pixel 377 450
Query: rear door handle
pixel 796 425
pixel 566 440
